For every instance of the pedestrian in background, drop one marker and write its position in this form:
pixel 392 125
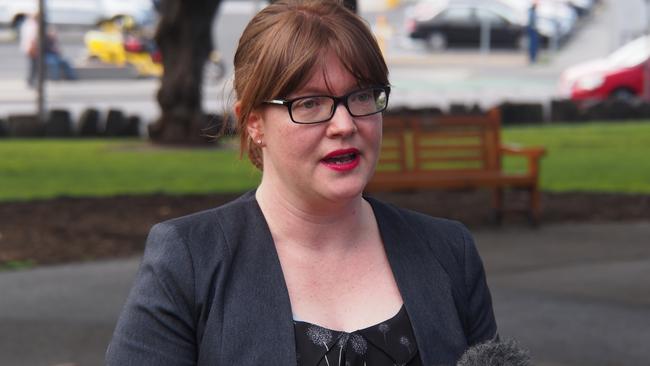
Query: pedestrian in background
pixel 533 36
pixel 29 45
pixel 56 66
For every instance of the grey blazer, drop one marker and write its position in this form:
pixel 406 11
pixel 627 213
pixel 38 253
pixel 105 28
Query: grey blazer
pixel 210 290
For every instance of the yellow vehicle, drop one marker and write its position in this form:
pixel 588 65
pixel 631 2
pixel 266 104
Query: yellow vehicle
pixel 118 42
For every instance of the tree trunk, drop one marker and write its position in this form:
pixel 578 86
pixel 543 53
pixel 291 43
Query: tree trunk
pixel 350 4
pixel 184 36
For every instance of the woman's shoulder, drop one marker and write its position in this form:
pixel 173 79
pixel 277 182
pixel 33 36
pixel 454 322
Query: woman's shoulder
pixel 204 230
pixel 230 211
pixel 450 240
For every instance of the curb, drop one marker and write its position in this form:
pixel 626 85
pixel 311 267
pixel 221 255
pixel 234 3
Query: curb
pixel 104 72
pixel 467 60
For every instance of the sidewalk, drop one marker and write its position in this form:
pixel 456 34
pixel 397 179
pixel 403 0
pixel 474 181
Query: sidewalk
pixel 574 294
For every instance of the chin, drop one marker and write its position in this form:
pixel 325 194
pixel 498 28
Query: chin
pixel 346 190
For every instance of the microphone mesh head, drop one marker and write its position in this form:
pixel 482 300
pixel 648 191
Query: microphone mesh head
pixel 495 353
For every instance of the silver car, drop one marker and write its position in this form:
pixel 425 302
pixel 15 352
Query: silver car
pixel 73 12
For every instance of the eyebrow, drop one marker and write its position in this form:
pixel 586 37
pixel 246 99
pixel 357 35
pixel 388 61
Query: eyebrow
pixel 320 92
pixel 309 91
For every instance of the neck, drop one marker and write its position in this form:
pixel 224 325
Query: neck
pixel 295 221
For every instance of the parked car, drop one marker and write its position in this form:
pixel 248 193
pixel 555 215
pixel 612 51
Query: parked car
pixel 582 7
pixel 442 23
pixel 458 24
pixel 619 75
pixel 73 12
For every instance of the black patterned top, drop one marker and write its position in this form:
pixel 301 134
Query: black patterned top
pixel 386 344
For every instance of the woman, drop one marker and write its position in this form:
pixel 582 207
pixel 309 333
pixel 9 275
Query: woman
pixel 306 269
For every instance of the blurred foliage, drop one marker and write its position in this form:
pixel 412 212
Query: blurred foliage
pixel 16 265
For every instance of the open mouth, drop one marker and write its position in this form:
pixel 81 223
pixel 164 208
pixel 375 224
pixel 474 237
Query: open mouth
pixel 342 159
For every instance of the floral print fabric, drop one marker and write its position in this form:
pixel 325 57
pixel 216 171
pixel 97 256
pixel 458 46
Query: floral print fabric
pixel 386 344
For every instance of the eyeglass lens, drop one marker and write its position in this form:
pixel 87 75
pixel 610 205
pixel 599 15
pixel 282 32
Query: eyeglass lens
pixel 321 108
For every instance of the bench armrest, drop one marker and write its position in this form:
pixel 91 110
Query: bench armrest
pixel 533 154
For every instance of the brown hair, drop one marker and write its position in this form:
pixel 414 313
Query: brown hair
pixel 283 43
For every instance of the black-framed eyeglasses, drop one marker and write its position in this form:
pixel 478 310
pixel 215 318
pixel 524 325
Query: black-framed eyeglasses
pixel 321 108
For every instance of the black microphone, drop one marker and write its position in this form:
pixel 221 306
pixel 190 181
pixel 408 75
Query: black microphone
pixel 495 353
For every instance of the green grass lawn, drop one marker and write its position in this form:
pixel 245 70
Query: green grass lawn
pixel 596 157
pixel 592 157
pixel 47 168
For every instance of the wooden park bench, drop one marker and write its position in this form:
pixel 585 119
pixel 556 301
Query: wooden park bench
pixel 421 152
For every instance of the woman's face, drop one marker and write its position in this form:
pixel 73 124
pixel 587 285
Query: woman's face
pixel 329 161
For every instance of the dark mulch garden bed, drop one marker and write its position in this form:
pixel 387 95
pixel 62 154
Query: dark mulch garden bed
pixel 80 229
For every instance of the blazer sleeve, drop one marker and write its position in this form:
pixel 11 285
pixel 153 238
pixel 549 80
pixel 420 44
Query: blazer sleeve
pixel 480 315
pixel 157 326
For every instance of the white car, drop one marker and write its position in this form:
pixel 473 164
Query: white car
pixel 74 12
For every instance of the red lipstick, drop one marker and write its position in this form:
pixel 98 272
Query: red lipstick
pixel 342 160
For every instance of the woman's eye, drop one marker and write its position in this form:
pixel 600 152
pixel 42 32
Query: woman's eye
pixel 363 96
pixel 307 103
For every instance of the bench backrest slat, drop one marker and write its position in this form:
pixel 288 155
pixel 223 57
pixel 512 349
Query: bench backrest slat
pixel 441 143
pixel 392 157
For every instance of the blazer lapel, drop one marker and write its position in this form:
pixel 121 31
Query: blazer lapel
pixel 424 286
pixel 257 320
pixel 258 323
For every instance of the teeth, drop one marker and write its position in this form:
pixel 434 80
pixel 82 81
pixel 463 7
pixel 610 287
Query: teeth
pixel 342 158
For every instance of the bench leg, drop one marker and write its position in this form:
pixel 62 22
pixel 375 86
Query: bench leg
pixel 534 211
pixel 497 205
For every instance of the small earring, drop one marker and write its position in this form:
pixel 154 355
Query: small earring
pixel 259 141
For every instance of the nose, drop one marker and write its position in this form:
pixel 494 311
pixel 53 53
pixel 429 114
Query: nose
pixel 342 123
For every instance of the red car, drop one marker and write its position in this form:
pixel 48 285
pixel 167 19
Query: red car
pixel 619 75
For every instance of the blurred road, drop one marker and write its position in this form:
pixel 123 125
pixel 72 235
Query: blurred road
pixel 419 77
pixel 573 294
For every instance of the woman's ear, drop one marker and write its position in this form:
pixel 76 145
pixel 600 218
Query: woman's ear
pixel 254 123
